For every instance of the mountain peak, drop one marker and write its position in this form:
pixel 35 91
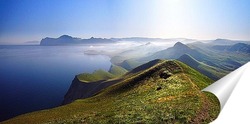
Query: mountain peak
pixel 180 45
pixel 65 36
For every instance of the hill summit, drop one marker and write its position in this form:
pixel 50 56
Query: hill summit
pixel 180 45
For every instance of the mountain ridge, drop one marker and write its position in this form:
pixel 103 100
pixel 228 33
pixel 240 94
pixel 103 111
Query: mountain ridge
pixel 175 52
pixel 148 96
pixel 238 47
pixel 209 71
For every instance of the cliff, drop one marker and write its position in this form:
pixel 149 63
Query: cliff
pixel 80 90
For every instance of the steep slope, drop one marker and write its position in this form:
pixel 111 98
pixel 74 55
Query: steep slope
pixel 85 85
pixel 148 96
pixel 209 71
pixel 81 87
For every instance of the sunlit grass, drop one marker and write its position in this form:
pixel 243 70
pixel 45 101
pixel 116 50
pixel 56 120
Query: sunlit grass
pixel 143 97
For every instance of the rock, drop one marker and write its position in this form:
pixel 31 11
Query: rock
pixel 158 88
pixel 165 74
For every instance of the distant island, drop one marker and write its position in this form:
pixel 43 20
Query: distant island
pixel 68 40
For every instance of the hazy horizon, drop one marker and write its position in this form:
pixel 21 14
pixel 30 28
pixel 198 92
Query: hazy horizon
pixel 27 20
pixel 37 42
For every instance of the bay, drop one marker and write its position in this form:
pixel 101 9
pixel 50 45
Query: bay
pixel 37 77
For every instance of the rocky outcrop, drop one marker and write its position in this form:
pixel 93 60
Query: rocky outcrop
pixel 78 90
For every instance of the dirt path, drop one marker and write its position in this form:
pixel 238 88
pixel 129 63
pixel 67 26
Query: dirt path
pixel 202 114
pixel 193 84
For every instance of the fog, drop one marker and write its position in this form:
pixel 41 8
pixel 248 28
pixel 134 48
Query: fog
pixel 133 49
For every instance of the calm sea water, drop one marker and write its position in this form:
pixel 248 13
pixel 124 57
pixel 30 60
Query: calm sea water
pixel 37 77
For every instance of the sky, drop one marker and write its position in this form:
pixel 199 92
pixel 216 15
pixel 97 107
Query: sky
pixel 32 20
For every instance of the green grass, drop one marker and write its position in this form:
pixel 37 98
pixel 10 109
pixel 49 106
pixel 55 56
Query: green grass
pixel 219 59
pixel 142 97
pixel 117 70
pixel 210 71
pixel 114 71
pixel 95 76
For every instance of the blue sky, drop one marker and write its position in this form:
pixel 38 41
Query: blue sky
pixel 28 20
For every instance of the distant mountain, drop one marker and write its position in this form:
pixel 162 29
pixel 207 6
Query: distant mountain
pixel 146 39
pixel 68 40
pixel 210 71
pixel 129 64
pixel 229 60
pixel 175 52
pixel 239 47
pixel 161 91
pixel 62 40
pixel 137 39
pixel 226 42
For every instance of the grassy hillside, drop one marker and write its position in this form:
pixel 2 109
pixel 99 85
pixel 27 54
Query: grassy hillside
pixel 227 59
pixel 98 75
pixel 95 76
pixel 165 92
pixel 117 70
pixel 210 71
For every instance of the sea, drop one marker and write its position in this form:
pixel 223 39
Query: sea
pixel 37 77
